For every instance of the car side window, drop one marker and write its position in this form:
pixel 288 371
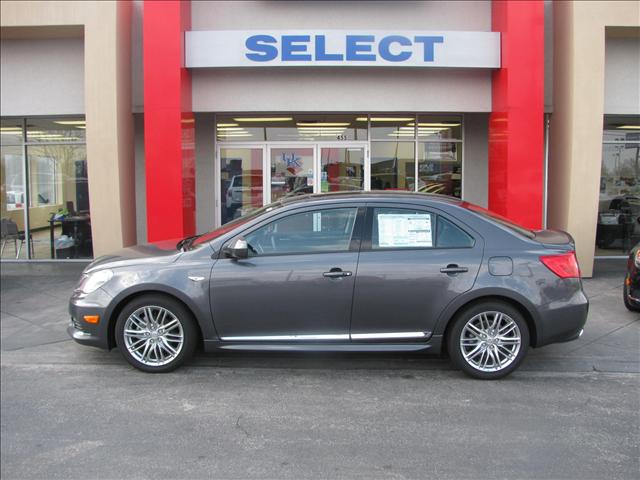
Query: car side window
pixel 328 230
pixel 451 236
pixel 401 228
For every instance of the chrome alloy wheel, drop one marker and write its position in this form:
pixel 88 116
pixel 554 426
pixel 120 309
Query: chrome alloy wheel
pixel 490 341
pixel 153 335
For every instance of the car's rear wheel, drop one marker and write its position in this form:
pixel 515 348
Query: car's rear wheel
pixel 627 301
pixel 156 333
pixel 488 340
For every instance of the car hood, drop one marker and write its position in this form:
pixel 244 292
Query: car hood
pixel 159 253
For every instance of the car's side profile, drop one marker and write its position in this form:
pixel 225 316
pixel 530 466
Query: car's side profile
pixel 357 271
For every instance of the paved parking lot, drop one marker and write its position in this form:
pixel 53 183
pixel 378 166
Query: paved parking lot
pixel 571 411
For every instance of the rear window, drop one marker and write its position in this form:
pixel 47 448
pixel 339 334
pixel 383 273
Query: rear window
pixel 494 217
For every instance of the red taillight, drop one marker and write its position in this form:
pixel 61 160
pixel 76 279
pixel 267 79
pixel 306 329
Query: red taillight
pixel 564 265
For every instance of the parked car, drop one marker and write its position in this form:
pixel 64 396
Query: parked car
pixel 349 271
pixel 631 289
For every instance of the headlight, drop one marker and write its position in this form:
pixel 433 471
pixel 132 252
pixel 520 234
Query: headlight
pixel 93 281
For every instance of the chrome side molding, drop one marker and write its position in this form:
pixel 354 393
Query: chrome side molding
pixel 355 336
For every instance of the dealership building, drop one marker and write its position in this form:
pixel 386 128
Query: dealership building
pixel 132 122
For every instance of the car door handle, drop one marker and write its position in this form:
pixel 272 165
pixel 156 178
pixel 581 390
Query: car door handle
pixel 336 273
pixel 453 269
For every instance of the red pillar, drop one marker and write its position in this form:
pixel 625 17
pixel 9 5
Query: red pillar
pixel 168 122
pixel 516 138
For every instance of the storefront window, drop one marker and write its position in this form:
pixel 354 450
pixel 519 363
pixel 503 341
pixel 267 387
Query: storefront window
pixel 58 221
pixel 440 168
pixel 288 128
pixel 618 227
pixel 311 153
pixel 42 130
pixel 240 181
pixel 390 127
pixel 392 166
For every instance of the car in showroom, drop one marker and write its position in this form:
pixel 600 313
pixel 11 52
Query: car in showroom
pixel 631 288
pixel 341 272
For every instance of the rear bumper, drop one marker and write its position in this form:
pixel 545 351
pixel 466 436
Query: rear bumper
pixel 563 322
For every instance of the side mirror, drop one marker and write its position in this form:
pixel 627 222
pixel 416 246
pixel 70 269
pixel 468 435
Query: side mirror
pixel 237 249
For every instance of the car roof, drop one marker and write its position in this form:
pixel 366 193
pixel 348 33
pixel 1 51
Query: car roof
pixel 358 195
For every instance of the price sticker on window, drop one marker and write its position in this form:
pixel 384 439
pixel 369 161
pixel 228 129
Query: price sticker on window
pixel 400 230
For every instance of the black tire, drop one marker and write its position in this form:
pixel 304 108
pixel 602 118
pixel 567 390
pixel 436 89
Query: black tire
pixel 627 303
pixel 471 313
pixel 184 317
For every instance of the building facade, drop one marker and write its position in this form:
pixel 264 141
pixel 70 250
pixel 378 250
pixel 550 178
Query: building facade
pixel 128 122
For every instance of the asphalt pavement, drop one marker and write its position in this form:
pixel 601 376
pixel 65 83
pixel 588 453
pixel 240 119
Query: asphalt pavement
pixel 571 411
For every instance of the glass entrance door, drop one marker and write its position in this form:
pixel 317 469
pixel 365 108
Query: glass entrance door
pixel 342 168
pixel 254 175
pixel 291 170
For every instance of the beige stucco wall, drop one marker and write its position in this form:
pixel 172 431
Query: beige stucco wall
pixel 107 99
pixel 576 126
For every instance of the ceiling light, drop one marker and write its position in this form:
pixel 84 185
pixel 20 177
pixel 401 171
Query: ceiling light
pixel 227 125
pixel 230 129
pixel 324 124
pixel 392 119
pixel 438 124
pixel 70 122
pixel 10 129
pixel 629 127
pixel 263 119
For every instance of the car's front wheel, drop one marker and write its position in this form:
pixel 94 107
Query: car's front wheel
pixel 488 340
pixel 156 333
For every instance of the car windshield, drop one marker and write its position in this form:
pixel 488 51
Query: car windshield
pixel 505 222
pixel 227 227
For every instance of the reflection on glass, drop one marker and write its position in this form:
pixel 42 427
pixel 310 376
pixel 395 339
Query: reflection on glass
pixel 392 166
pixel 440 168
pixel 59 213
pixel 391 127
pixel 12 200
pixel 341 169
pixel 618 227
pixel 288 128
pixel 41 130
pixel 291 171
pixel 240 181
pixel 11 131
pixel 439 127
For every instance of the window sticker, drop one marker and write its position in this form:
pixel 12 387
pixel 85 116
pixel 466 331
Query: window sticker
pixel 404 230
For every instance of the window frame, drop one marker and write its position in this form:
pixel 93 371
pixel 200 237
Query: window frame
pixel 356 235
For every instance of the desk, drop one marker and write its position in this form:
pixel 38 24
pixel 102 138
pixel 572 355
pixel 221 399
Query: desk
pixel 71 226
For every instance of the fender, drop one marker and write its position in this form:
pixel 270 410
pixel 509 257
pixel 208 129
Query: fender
pixel 203 318
pixel 447 314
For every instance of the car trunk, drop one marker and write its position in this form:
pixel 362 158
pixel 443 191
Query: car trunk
pixel 555 239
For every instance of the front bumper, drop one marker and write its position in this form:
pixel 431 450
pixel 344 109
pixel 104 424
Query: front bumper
pixel 93 334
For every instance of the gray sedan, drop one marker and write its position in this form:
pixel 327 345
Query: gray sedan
pixel 358 271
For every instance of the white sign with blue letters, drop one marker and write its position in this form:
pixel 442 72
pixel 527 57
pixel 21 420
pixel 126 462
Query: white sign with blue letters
pixel 332 48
